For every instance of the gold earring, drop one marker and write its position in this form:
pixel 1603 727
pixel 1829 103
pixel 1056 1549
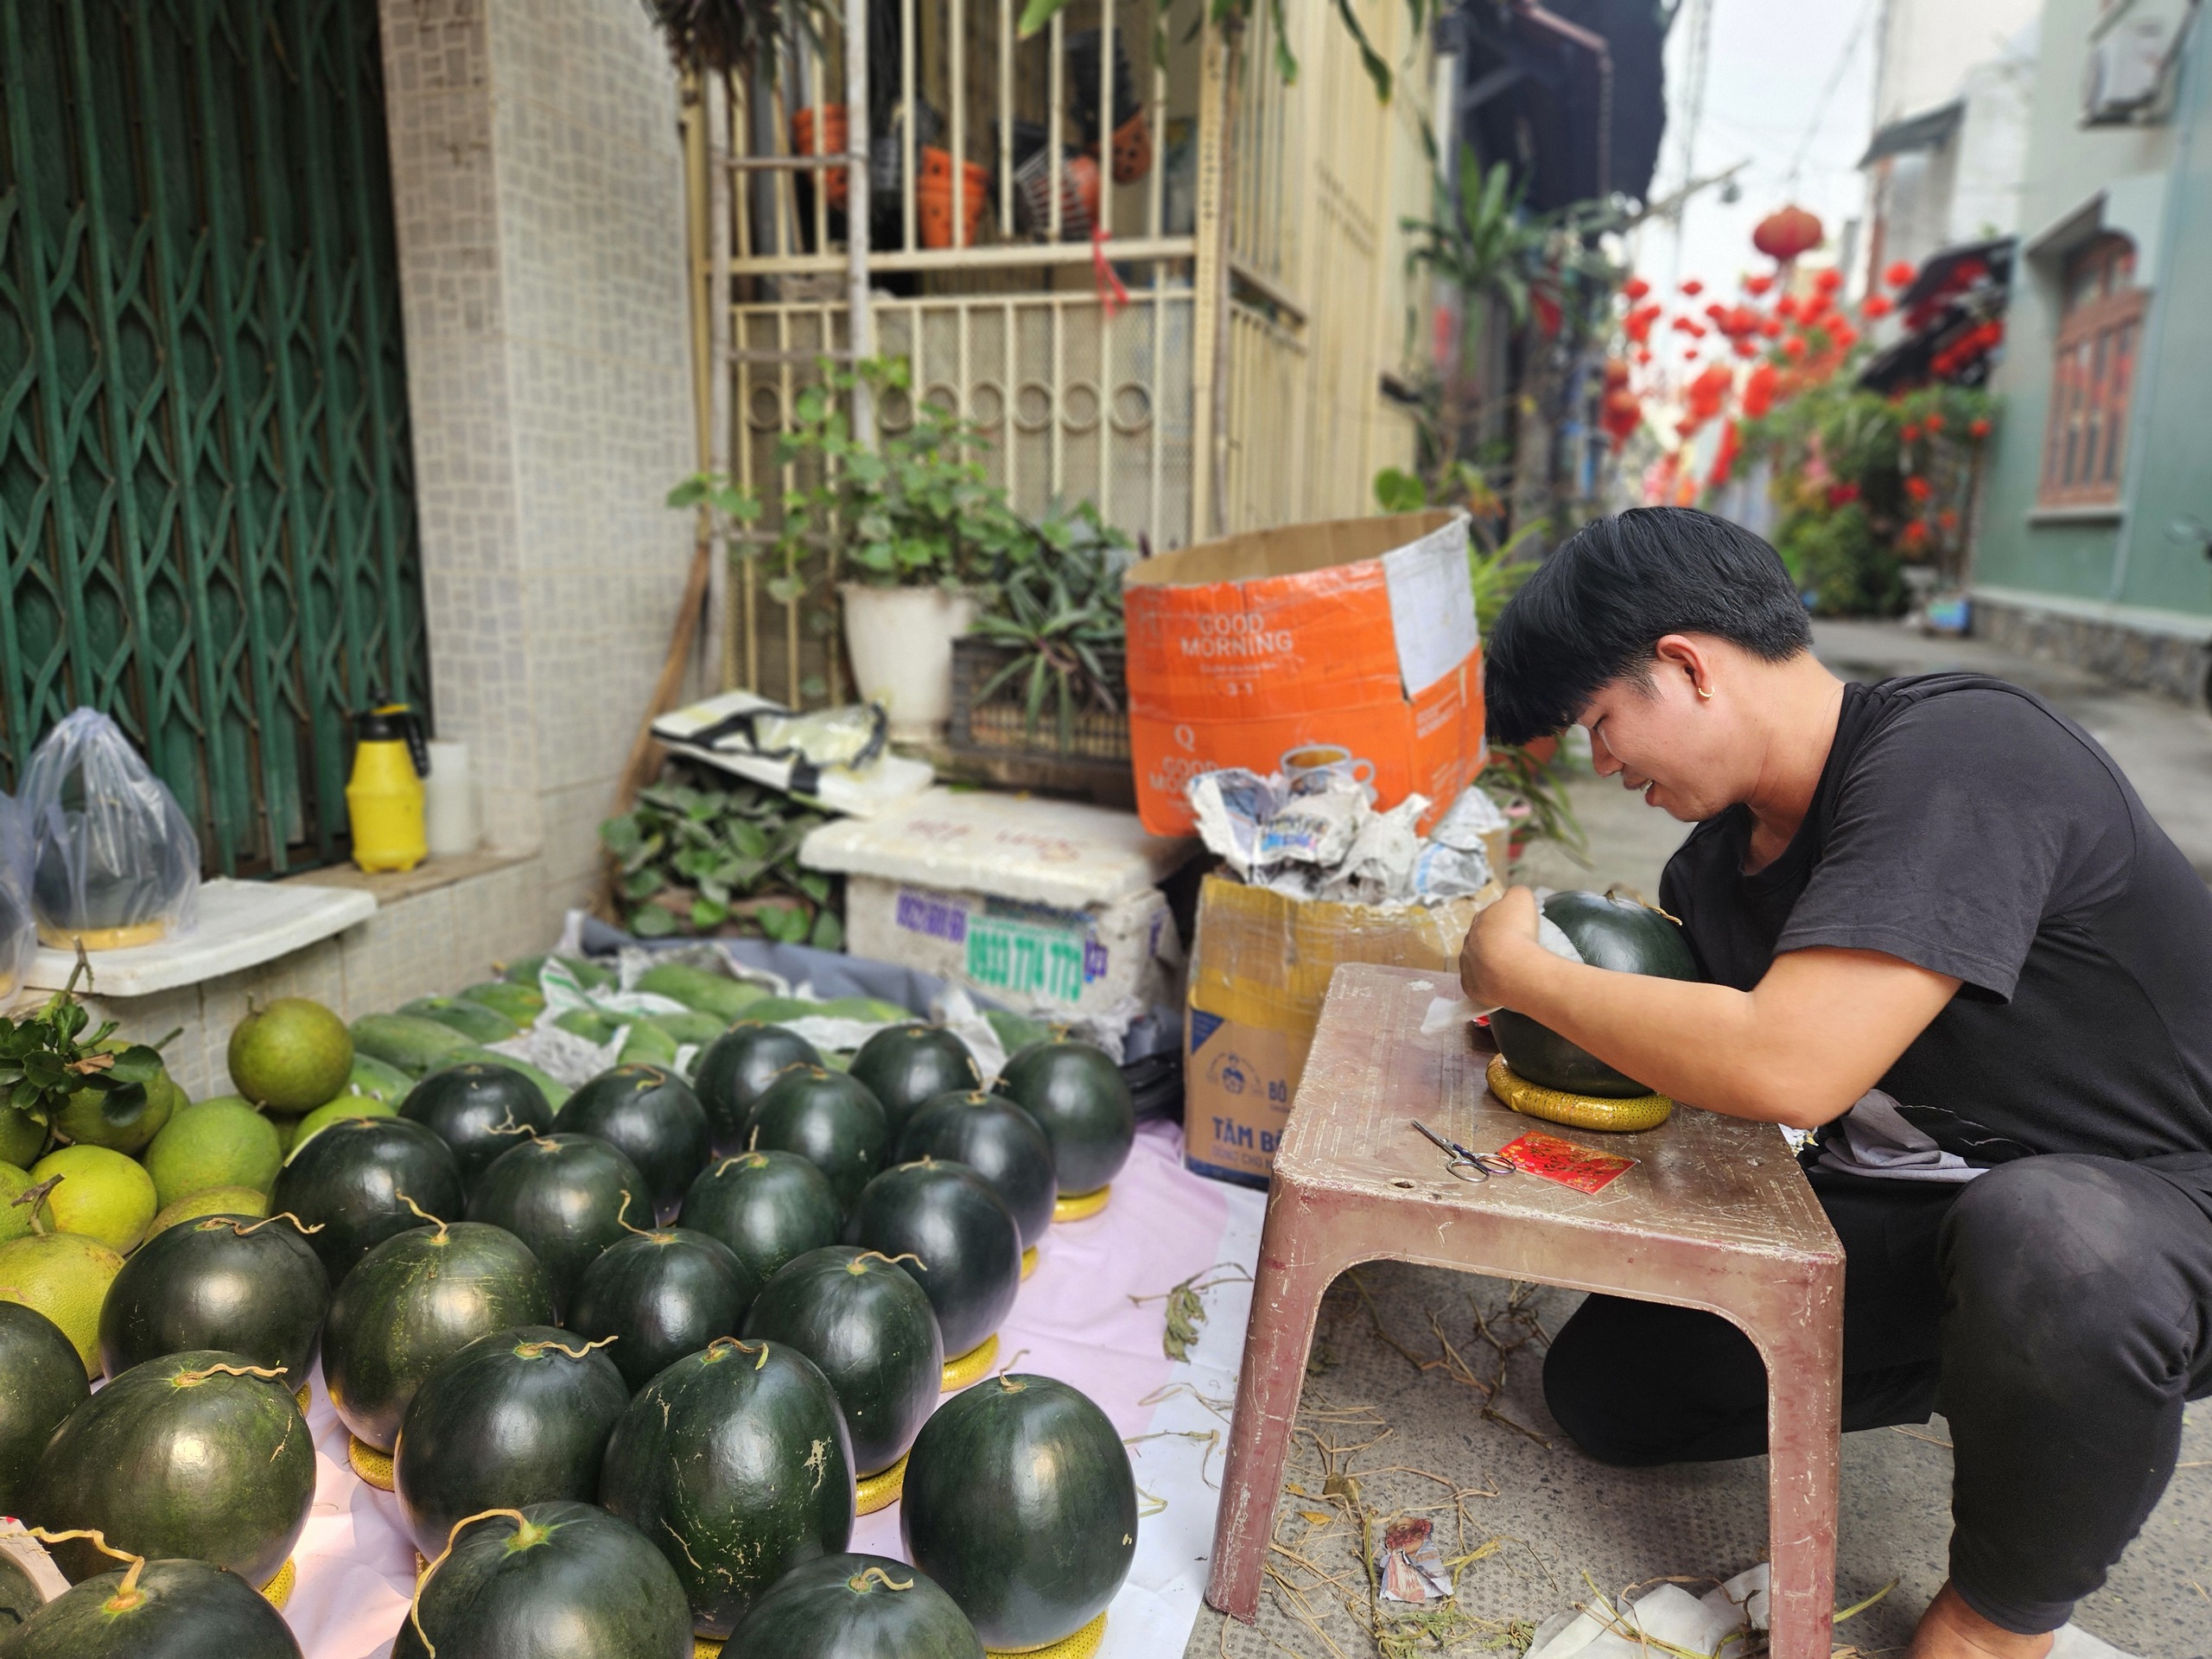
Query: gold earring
pixel 1705 691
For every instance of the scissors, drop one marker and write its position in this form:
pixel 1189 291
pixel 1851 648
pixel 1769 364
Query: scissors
pixel 1467 1165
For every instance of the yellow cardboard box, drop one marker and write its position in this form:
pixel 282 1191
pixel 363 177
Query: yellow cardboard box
pixel 1259 969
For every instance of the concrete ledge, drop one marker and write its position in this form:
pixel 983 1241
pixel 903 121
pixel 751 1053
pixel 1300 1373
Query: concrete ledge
pixel 2164 652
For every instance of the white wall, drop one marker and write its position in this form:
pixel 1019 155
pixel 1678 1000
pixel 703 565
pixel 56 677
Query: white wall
pixel 1928 46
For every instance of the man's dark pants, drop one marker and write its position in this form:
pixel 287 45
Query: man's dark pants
pixel 2057 1310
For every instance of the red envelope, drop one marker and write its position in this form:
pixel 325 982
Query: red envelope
pixel 1554 1160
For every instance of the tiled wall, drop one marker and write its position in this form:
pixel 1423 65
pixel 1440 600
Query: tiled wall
pixel 426 943
pixel 538 182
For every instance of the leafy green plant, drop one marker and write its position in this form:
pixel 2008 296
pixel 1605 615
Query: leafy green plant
pixel 719 859
pixel 1235 16
pixel 45 1057
pixel 1059 609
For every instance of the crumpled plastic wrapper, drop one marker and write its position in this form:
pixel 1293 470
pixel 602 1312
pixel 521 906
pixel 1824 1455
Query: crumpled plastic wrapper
pixel 1330 844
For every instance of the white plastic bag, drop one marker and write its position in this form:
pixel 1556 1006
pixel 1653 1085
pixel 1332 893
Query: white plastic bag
pixel 115 862
pixel 18 930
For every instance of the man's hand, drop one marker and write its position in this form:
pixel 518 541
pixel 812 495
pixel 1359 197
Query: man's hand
pixel 1498 944
pixel 1799 1047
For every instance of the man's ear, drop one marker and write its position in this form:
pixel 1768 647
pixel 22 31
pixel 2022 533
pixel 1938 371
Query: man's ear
pixel 1690 658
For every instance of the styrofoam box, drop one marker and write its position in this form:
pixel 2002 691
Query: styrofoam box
pixel 1057 852
pixel 1030 956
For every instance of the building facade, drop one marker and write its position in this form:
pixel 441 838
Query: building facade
pixel 2093 533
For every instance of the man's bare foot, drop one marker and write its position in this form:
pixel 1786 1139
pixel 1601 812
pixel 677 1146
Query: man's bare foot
pixel 1951 1629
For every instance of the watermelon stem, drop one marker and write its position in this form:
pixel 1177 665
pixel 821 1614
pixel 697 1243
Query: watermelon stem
pixel 533 1350
pixel 853 1265
pixel 415 1603
pixel 194 1379
pixel 865 1580
pixel 126 1594
pixel 245 1230
pixel 741 1347
pixel 622 1217
pixel 423 1215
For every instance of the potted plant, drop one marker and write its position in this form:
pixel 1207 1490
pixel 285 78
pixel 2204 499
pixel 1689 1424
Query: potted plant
pixel 922 532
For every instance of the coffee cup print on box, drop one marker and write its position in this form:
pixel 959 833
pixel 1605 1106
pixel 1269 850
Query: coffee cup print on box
pixel 1310 768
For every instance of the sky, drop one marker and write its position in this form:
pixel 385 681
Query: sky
pixel 1789 91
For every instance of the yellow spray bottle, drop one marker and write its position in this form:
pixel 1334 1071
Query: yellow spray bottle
pixel 384 797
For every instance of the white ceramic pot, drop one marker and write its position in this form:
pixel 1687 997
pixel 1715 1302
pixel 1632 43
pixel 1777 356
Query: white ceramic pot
pixel 901 643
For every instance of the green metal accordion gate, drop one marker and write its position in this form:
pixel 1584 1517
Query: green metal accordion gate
pixel 206 519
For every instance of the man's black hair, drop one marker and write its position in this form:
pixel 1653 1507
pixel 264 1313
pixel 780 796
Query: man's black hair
pixel 1594 609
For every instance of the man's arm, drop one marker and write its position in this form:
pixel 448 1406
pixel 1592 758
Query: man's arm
pixel 1798 1048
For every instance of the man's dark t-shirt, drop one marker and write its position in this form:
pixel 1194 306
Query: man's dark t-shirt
pixel 1963 825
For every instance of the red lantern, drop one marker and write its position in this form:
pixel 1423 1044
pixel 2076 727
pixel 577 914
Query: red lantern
pixel 1620 414
pixel 1758 391
pixel 1794 347
pixel 1693 288
pixel 1977 429
pixel 1636 288
pixel 1900 274
pixel 1918 487
pixel 1828 281
pixel 1758 284
pixel 1875 306
pixel 1785 234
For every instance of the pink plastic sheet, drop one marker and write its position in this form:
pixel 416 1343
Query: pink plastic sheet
pixel 1075 1321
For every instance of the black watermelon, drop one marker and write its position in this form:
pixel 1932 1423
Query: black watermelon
pixel 1020 1503
pixel 870 1330
pixel 997 1140
pixel 856 1607
pixel 661 1295
pixel 248 1287
pixel 905 1065
pixel 735 1072
pixel 19 1596
pixel 182 1456
pixel 829 1120
pixel 769 1207
pixel 518 1417
pixel 970 1248
pixel 1617 934
pixel 735 1462
pixel 165 1609
pixel 556 1578
pixel 1080 1099
pixel 479 1110
pixel 563 1195
pixel 42 1381
pixel 656 1122
pixel 415 1301
pixel 348 1182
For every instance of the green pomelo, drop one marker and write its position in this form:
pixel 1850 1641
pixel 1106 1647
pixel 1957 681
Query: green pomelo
pixel 565 1197
pixel 252 1288
pixel 23 1137
pixel 16 1218
pixel 124 1120
pixel 1616 934
pixel 362 1180
pixel 870 1328
pixel 101 1194
pixel 1080 1099
pixel 42 1381
pixel 248 1202
pixel 215 1143
pixel 655 1120
pixel 829 1120
pixel 178 1609
pixel 736 1463
pixel 769 1207
pixel 415 1300
pixel 65 1277
pixel 221 1468
pixel 293 1054
pixel 516 1417
pixel 856 1607
pixel 569 1580
pixel 661 1295
pixel 968 1247
pixel 1018 1502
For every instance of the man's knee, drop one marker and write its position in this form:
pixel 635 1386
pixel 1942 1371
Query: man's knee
pixel 2047 1266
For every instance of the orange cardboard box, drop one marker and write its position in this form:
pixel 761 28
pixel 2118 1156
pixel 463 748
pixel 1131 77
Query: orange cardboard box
pixel 1356 635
